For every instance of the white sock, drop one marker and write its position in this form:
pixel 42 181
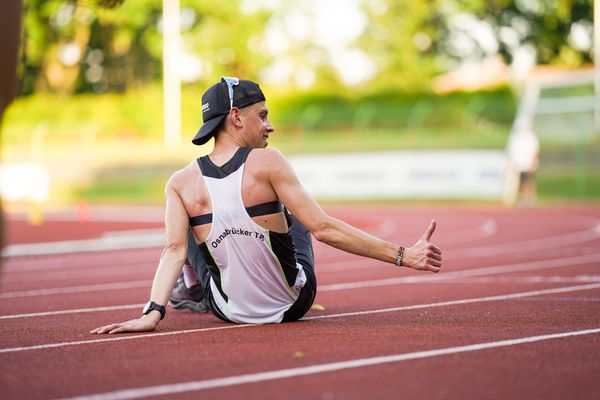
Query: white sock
pixel 190 278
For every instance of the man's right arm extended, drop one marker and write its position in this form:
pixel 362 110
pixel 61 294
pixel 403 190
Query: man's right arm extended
pixel 422 255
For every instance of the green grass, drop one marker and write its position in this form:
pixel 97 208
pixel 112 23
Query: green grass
pixel 146 190
pixel 568 187
pixel 138 175
pixel 352 140
pixel 108 149
pixel 140 191
pixel 137 114
pixel 585 89
pixel 569 172
pixel 127 184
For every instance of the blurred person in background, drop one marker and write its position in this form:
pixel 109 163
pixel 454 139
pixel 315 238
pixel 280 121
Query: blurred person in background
pixel 245 256
pixel 523 151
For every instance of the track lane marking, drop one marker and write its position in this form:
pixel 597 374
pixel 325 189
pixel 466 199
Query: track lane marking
pixel 529 244
pixel 524 280
pixel 72 311
pixel 527 279
pixel 133 239
pixel 77 289
pixel 137 242
pixel 488 227
pixel 192 386
pixel 117 339
pixel 485 299
pixel 100 260
pixel 100 272
pixel 349 314
pixel 470 252
pixel 492 270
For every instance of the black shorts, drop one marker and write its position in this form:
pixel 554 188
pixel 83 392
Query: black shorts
pixel 304 256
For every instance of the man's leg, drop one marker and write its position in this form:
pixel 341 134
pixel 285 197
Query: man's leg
pixel 200 267
pixel 191 289
pixel 196 260
pixel 305 257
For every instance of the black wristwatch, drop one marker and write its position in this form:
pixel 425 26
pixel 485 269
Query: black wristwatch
pixel 151 306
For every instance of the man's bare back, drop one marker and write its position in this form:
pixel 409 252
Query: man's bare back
pixel 189 184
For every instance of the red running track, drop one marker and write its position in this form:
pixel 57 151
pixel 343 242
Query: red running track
pixel 514 314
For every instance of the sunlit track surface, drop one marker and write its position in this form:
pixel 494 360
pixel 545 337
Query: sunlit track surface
pixel 515 312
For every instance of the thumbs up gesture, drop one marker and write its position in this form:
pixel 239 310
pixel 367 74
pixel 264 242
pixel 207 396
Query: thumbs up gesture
pixel 424 255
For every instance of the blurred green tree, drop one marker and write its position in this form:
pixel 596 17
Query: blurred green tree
pixel 412 41
pixel 399 39
pixel 79 46
pixel 73 46
pixel 557 32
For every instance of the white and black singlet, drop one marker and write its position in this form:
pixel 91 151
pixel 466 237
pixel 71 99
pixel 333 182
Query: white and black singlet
pixel 254 273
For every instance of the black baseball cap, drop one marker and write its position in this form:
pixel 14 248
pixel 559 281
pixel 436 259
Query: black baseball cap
pixel 216 104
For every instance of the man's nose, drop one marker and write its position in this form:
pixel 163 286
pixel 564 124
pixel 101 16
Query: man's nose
pixel 270 127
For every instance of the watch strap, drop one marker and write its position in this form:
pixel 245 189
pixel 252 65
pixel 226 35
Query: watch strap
pixel 152 306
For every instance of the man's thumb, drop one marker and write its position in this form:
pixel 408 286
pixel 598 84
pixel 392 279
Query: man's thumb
pixel 429 231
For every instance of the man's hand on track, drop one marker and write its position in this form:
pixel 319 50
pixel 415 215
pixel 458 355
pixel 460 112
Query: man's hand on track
pixel 146 323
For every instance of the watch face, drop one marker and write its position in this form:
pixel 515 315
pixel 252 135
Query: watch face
pixel 152 306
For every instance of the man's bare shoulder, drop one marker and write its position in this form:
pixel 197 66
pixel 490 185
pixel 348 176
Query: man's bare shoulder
pixel 274 165
pixel 269 155
pixel 182 177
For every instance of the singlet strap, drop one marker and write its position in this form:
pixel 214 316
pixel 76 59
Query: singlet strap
pixel 201 219
pixel 272 207
pixel 211 170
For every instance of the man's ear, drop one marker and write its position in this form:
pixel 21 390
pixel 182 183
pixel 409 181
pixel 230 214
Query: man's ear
pixel 236 118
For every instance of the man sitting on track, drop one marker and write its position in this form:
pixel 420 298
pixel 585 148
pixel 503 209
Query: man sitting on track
pixel 254 260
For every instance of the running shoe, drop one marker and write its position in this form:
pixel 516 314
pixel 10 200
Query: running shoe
pixel 184 298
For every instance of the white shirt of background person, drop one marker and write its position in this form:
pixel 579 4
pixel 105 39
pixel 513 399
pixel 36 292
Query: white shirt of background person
pixel 523 149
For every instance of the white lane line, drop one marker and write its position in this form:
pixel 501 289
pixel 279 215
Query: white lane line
pixel 117 339
pixel 123 240
pixel 510 296
pixel 47 276
pixel 72 311
pixel 523 246
pixel 492 270
pixel 85 245
pixel 524 280
pixel 527 279
pixel 355 313
pixel 528 245
pixel 486 229
pixel 136 241
pixel 77 289
pixel 162 390
pixel 74 262
pixel 480 251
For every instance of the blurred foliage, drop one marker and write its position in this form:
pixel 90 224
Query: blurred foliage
pixel 391 39
pixel 396 108
pixel 75 46
pixel 120 48
pixel 137 114
pixel 548 26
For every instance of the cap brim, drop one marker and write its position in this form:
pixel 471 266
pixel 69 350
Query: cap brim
pixel 207 130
